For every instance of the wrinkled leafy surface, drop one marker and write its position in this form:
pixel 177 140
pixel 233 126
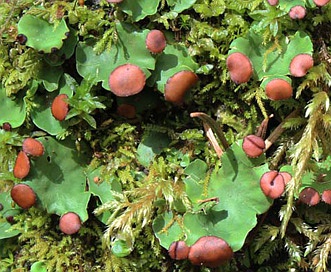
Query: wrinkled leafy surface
pixel 50 76
pixel 288 4
pixel 12 111
pixel 151 145
pixel 69 44
pixel 236 185
pixel 41 35
pixel 102 188
pixel 139 9
pixel 41 114
pixel 130 48
pixel 38 267
pixel 175 58
pixel 58 178
pixel 60 181
pixel 62 184
pixel 51 70
pixel 5 227
pixel 180 5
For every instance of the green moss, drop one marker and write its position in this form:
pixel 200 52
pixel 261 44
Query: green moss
pixel 300 240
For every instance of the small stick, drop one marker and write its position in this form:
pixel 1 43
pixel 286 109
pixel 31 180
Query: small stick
pixel 215 199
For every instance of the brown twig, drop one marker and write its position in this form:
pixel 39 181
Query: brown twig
pixel 214 199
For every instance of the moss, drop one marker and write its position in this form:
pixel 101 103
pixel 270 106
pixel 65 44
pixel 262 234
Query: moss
pixel 300 240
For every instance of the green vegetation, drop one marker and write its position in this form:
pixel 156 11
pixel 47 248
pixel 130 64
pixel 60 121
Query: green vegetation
pixel 140 171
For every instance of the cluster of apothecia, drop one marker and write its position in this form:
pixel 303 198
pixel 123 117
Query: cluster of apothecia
pixel 210 251
pixel 241 70
pixel 273 183
pixel 125 80
pixel 312 197
pixel 298 12
pixel 31 147
pixel 24 196
pixel 129 79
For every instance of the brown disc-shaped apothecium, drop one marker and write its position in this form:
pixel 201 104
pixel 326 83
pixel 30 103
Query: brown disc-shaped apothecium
pixel 210 251
pixel 272 184
pixel 300 64
pixel 240 67
pixel 178 85
pixel 321 3
pixel 22 165
pixel 127 111
pixel 309 196
pixel 70 223
pixel 297 12
pixel 155 41
pixel 114 1
pixel 60 107
pixel 273 2
pixel 126 80
pixel 326 196
pixel 23 196
pixel 253 146
pixel 33 147
pixel 21 39
pixel 6 126
pixel 179 250
pixel 278 89
pixel 286 176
